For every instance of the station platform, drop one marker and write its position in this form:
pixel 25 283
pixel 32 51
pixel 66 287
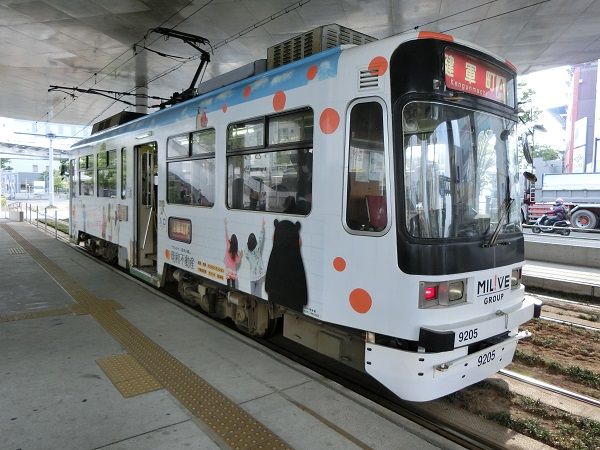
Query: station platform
pixel 566 279
pixel 93 359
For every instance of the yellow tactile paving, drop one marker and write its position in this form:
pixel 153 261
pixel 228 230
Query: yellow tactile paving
pixel 237 428
pixel 128 376
pixel 73 309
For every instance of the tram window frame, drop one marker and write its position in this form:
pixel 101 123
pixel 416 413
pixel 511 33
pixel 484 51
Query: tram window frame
pixel 359 206
pixel 106 168
pixel 86 163
pixel 241 190
pixel 204 161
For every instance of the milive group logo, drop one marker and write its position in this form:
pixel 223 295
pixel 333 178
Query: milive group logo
pixel 492 288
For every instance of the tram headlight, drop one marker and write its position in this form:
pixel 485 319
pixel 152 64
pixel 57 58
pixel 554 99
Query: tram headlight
pixel 456 290
pixel 443 293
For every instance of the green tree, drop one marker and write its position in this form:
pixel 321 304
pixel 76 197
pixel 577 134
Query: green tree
pixel 546 152
pixel 528 112
pixel 4 164
pixel 61 184
pixel 529 116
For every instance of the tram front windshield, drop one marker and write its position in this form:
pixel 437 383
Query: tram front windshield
pixel 460 172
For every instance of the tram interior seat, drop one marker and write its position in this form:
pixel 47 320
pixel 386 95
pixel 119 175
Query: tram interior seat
pixel 376 211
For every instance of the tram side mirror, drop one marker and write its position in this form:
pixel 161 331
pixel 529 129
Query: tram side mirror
pixel 527 153
pixel 530 177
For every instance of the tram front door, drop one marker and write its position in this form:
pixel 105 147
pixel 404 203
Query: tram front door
pixel 145 200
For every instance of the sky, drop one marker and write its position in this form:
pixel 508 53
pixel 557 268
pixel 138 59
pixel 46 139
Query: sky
pixel 552 88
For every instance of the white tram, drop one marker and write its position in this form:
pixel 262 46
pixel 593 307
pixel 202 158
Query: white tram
pixel 360 194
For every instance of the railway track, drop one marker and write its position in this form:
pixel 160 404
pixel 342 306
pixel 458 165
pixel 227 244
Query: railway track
pixel 572 324
pixel 549 387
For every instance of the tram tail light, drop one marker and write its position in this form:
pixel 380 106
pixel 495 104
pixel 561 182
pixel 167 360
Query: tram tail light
pixel 443 293
pixel 431 293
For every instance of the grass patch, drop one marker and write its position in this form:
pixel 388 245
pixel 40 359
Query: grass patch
pixel 530 417
pixel 62 226
pixel 575 373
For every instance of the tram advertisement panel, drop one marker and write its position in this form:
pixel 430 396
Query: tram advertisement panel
pixel 474 76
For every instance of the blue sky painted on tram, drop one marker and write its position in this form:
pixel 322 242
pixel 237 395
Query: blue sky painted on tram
pixel 284 78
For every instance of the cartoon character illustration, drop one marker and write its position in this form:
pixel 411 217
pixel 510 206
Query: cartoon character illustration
pixel 285 281
pixel 232 258
pixel 253 254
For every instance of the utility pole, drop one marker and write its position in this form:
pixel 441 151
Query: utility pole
pixel 50 136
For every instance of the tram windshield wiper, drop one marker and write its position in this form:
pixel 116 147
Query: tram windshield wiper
pixel 504 212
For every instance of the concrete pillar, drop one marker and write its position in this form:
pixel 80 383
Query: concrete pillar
pixel 50 171
pixel 141 81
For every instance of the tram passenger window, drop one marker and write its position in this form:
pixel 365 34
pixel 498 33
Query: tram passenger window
pixel 271 173
pixel 246 135
pixel 366 208
pixel 86 175
pixel 107 174
pixel 192 181
pixel 178 146
pixel 294 127
pixel 123 172
pixel 203 142
pixel 277 181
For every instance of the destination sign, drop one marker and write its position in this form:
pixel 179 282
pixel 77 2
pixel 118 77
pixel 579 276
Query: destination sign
pixel 472 75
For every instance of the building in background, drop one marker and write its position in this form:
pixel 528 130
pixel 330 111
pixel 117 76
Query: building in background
pixel 583 121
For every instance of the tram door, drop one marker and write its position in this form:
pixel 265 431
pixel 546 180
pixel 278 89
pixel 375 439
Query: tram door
pixel 145 199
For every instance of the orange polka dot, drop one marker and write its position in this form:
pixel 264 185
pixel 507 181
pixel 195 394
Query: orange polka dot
pixel 247 91
pixel 339 264
pixel 311 73
pixel 360 300
pixel 224 107
pixel 378 66
pixel 167 254
pixel 329 120
pixel 279 101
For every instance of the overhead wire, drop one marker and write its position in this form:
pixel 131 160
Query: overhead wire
pixel 498 15
pixel 96 81
pixel 229 39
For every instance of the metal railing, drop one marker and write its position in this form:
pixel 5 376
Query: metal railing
pixel 49 219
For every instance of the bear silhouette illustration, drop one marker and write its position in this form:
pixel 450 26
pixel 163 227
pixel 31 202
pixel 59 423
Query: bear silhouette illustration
pixel 285 282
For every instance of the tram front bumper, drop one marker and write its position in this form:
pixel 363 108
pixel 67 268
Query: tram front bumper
pixel 421 377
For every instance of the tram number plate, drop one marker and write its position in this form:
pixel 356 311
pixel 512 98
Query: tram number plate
pixel 486 358
pixel 467 335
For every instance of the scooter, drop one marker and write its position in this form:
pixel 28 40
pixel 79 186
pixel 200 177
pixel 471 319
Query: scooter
pixel 558 227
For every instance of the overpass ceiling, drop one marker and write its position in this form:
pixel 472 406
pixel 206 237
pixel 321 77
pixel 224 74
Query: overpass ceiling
pixel 89 43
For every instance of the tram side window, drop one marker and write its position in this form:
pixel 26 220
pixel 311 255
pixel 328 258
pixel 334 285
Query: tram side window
pixel 123 172
pixel 191 181
pixel 366 208
pixel 107 174
pixel 72 178
pixel 273 178
pixel 86 175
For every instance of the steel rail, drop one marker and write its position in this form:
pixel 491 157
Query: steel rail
pixel 572 324
pixel 550 387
